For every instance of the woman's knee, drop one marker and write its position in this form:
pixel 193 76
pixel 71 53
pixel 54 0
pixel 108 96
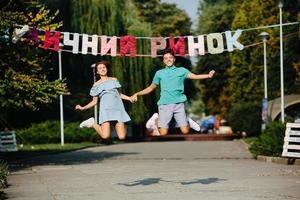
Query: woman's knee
pixel 122 137
pixel 121 130
pixel 105 137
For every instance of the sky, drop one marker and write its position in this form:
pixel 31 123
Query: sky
pixel 190 6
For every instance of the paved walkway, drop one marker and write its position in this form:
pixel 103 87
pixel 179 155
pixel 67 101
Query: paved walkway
pixel 211 170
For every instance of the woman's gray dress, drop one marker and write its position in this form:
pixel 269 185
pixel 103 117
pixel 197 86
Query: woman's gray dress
pixel 111 104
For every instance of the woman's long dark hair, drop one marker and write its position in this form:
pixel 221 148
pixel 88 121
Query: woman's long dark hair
pixel 108 67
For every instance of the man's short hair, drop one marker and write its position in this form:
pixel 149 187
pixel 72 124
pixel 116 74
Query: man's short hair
pixel 170 51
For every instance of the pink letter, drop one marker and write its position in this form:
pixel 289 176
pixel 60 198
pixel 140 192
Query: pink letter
pixel 127 42
pixel 179 46
pixel 155 46
pixel 52 40
pixel 106 46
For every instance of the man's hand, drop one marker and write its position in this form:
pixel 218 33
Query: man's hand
pixel 78 107
pixel 211 73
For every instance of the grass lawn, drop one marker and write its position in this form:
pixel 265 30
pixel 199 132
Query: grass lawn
pixel 28 151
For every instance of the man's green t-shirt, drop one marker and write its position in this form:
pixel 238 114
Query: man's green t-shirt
pixel 171 81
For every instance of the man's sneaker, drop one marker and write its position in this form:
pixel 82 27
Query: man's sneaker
pixel 151 122
pixel 193 124
pixel 153 131
pixel 87 123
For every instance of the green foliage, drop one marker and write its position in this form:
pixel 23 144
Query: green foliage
pixel 111 17
pixel 215 17
pixel 270 142
pixel 246 71
pixel 197 106
pixel 245 74
pixel 239 74
pixel 49 132
pixel 165 19
pixel 24 68
pixel 3 174
pixel 20 90
pixel 245 116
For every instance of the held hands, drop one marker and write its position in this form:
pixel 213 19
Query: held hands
pixel 133 98
pixel 211 73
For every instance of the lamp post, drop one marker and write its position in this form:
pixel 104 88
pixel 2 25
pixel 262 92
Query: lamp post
pixel 93 66
pixel 264 36
pixel 61 97
pixel 280 5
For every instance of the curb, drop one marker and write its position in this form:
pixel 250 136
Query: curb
pixel 279 160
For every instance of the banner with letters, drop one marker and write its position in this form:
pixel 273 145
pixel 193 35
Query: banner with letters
pixel 213 43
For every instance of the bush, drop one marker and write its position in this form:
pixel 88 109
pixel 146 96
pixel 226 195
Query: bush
pixel 49 132
pixel 245 117
pixel 270 142
pixel 74 134
pixel 3 174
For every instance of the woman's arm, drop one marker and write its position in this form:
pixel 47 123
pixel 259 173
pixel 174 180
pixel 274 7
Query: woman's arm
pixel 201 76
pixel 87 106
pixel 125 97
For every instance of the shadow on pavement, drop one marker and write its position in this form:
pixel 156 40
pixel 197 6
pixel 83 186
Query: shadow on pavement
pixel 205 181
pixel 151 181
pixel 69 158
pixel 147 181
pixel 3 195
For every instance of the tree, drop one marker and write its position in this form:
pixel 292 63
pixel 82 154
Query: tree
pixel 24 68
pixel 215 16
pixel 111 17
pixel 165 18
pixel 246 72
pixel 239 74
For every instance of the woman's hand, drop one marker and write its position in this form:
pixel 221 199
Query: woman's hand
pixel 131 100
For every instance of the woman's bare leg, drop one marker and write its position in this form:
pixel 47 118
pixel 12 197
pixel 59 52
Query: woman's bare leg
pixel 121 130
pixel 103 130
